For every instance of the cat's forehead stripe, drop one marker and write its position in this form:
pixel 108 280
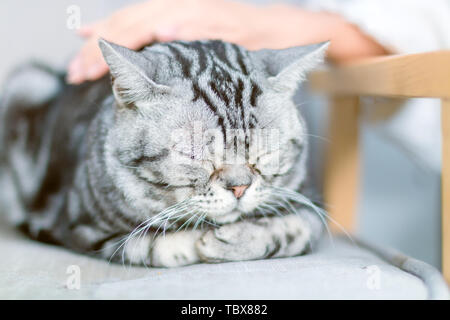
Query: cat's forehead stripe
pixel 186 66
pixel 219 73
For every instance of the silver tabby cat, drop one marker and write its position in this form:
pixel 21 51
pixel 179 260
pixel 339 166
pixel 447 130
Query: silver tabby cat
pixel 166 168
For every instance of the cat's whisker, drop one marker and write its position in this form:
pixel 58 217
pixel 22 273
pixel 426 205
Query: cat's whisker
pixel 259 210
pixel 180 217
pixel 282 206
pixel 125 166
pixel 170 212
pixel 142 229
pixel 291 197
pixel 187 223
pixel 199 220
pixel 123 243
pixel 317 137
pixel 290 208
pixel 157 233
pixel 124 239
pixel 277 208
pixel 165 225
pixel 298 197
pixel 177 218
pixel 120 241
pixel 203 221
pixel 270 208
pixel 300 104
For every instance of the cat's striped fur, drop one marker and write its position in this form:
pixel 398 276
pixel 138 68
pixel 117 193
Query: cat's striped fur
pixel 103 171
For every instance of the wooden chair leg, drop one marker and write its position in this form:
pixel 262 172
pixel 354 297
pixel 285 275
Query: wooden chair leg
pixel 445 125
pixel 342 164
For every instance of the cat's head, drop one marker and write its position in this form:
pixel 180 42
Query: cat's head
pixel 207 121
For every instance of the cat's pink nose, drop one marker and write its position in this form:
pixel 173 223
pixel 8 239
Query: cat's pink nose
pixel 239 190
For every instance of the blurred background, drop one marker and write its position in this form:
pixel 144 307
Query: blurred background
pixel 400 193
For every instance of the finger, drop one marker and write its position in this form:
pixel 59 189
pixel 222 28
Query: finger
pixel 88 30
pixel 88 64
pixel 74 73
pixel 166 33
pixel 191 32
pixel 97 71
pixel 82 74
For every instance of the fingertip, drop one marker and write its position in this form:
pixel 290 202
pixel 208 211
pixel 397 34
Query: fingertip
pixel 74 64
pixel 96 71
pixel 74 71
pixel 86 31
pixel 166 33
pixel 74 78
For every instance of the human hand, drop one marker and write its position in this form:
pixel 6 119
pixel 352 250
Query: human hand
pixel 254 27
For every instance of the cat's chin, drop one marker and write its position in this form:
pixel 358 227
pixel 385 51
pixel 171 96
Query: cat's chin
pixel 226 218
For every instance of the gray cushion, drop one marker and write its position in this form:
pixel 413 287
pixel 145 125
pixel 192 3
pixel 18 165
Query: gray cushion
pixel 343 270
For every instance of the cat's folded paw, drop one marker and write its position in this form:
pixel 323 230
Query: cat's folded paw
pixel 234 242
pixel 175 249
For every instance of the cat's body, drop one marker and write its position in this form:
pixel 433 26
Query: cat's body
pixel 138 174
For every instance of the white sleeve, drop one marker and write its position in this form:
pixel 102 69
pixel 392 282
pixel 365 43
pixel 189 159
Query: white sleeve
pixel 401 26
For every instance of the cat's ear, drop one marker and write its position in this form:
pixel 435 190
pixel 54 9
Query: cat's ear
pixel 131 74
pixel 286 68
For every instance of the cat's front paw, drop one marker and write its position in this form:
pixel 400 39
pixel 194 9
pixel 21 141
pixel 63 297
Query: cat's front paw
pixel 238 241
pixel 175 249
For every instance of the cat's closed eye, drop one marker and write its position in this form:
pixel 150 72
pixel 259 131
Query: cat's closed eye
pixel 279 160
pixel 194 174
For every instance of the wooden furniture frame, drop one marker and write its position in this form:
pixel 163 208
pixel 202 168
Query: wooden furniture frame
pixel 407 76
